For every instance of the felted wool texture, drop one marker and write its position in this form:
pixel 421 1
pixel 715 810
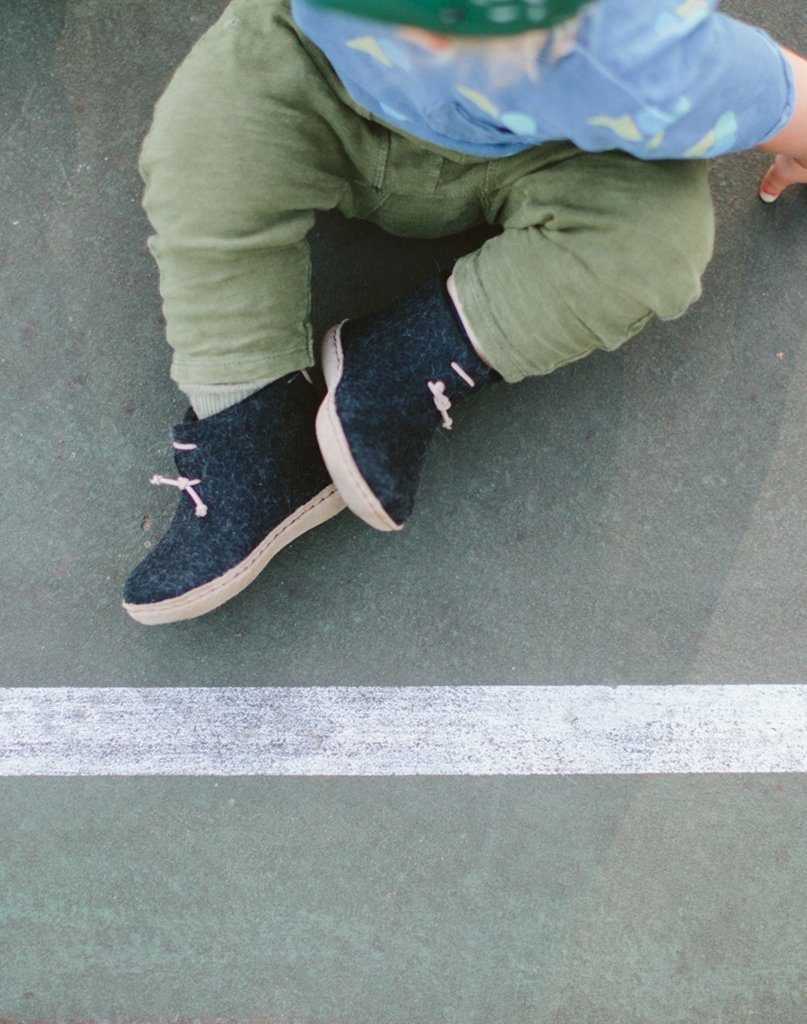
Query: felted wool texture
pixel 257 463
pixel 383 400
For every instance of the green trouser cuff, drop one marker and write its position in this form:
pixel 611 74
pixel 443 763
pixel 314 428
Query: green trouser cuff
pixel 230 369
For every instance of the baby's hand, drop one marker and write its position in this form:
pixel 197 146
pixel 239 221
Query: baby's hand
pixel 785 171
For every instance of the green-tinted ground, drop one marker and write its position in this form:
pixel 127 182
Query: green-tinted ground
pixel 407 901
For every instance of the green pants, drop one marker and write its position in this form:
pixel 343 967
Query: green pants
pixel 255 134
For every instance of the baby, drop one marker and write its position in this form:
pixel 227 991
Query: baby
pixel 580 129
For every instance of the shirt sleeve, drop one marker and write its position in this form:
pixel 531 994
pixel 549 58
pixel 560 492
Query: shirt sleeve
pixel 663 79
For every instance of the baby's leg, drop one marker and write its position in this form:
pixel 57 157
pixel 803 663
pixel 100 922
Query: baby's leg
pixel 247 143
pixel 245 146
pixel 592 248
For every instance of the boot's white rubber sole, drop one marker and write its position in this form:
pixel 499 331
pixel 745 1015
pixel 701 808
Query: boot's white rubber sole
pixel 334 447
pixel 208 596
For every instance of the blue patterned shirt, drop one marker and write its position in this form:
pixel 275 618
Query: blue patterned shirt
pixel 660 79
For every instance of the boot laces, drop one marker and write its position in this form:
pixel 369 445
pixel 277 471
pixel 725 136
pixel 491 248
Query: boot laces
pixel 183 483
pixel 441 400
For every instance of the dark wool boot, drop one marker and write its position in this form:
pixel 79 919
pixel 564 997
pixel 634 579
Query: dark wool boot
pixel 251 480
pixel 392 380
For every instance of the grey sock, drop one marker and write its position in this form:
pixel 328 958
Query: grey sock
pixel 208 399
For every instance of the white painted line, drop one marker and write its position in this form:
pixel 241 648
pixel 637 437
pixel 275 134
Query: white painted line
pixel 410 730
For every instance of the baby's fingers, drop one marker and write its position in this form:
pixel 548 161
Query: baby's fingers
pixel 784 171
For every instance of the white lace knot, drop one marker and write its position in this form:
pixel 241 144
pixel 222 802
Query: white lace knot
pixel 441 400
pixel 186 485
